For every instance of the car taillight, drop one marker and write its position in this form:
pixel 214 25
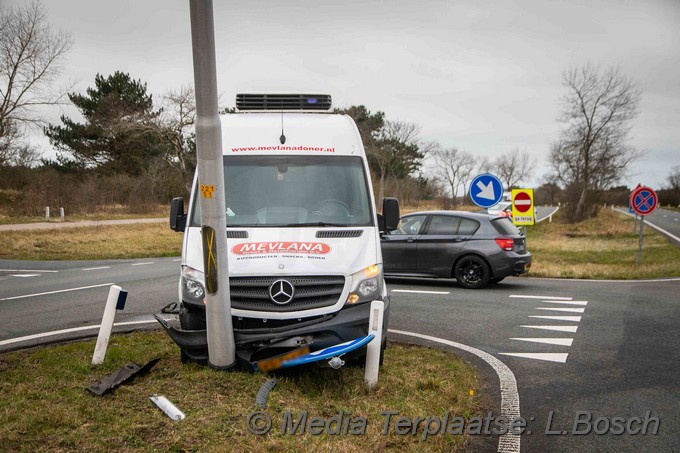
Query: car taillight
pixel 506 244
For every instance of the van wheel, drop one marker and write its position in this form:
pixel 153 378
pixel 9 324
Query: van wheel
pixel 472 272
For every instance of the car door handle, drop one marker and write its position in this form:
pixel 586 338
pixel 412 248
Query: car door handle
pixel 410 239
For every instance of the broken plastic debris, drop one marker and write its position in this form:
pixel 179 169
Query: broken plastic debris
pixel 166 406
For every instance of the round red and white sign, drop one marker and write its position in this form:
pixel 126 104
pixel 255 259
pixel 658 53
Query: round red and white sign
pixel 522 202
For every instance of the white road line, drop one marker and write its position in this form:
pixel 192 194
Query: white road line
pixel 508 442
pixel 142 264
pixel 178 259
pixel 26 270
pixel 418 292
pixel 555 328
pixel 96 268
pixel 559 318
pixel 560 357
pixel 659 229
pixel 562 309
pixel 63 331
pixel 23 275
pixel 573 302
pixel 517 296
pixel 56 292
pixel 557 341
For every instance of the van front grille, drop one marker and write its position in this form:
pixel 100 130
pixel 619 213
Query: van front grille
pixel 315 291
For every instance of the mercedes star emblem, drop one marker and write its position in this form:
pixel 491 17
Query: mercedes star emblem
pixel 281 292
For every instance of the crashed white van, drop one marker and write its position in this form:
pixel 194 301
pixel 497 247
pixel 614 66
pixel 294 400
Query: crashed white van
pixel 303 236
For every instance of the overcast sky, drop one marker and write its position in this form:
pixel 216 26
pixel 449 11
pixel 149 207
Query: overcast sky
pixel 482 76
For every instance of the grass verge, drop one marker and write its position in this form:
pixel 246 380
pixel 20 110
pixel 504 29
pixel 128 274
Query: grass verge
pixel 604 247
pixel 45 405
pixel 91 243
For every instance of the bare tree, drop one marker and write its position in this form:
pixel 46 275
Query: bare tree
pixel 177 120
pixel 593 152
pixel 513 167
pixel 453 168
pixel 31 54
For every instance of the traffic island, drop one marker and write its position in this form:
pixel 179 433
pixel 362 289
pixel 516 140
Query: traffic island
pixel 422 401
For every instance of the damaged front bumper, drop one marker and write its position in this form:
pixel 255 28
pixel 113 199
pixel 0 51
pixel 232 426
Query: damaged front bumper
pixel 256 344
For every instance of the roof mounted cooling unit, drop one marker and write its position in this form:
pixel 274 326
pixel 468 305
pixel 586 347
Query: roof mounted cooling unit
pixel 250 102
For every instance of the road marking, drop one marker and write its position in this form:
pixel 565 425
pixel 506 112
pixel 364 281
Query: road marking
pixel 418 292
pixel 573 302
pixel 557 341
pixel 507 442
pixel 96 268
pixel 56 292
pixel 562 309
pixel 142 264
pixel 560 357
pixel 661 230
pixel 559 318
pixel 517 296
pixel 24 275
pixel 555 328
pixel 26 270
pixel 72 330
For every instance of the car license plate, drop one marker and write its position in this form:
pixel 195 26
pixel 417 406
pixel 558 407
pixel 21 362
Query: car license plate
pixel 274 363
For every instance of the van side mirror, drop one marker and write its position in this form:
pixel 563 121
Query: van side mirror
pixel 178 218
pixel 390 214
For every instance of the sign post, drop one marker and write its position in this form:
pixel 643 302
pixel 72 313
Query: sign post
pixel 644 201
pixel 523 207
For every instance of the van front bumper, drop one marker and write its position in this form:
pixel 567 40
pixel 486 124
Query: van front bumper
pixel 253 344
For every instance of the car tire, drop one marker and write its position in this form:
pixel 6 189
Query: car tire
pixel 472 272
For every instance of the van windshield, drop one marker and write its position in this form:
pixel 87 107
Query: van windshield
pixel 292 191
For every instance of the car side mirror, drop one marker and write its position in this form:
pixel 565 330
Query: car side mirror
pixel 178 218
pixel 390 214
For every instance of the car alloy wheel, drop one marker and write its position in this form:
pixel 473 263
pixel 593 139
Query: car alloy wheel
pixel 472 272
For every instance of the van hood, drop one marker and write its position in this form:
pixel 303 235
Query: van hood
pixel 292 251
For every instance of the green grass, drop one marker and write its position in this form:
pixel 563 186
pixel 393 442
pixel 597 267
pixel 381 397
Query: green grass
pixel 45 407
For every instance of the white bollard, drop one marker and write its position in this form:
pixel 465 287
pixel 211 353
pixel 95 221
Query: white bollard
pixel 61 214
pixel 47 213
pixel 112 302
pixel 375 324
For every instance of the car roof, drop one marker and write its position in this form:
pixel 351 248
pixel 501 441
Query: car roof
pixel 467 214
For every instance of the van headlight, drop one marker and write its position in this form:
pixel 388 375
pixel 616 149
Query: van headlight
pixel 192 285
pixel 366 285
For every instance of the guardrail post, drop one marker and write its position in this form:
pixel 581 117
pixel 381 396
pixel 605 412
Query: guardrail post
pixel 375 327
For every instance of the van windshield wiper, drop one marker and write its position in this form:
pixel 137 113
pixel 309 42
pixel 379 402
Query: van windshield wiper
pixel 315 224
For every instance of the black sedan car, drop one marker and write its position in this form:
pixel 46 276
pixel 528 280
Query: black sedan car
pixel 473 248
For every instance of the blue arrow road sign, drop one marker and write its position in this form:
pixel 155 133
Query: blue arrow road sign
pixel 486 190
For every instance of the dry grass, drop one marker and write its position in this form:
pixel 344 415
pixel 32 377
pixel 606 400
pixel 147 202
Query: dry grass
pixel 604 247
pixel 45 405
pixel 92 243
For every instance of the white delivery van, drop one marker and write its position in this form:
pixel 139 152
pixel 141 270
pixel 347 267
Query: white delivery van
pixel 303 236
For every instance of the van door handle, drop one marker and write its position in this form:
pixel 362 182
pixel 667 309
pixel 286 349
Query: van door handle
pixel 411 239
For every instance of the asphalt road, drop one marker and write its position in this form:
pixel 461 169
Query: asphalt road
pixel 619 355
pixel 666 222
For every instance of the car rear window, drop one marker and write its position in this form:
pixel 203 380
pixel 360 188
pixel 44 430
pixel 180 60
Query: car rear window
pixel 505 226
pixel 467 226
